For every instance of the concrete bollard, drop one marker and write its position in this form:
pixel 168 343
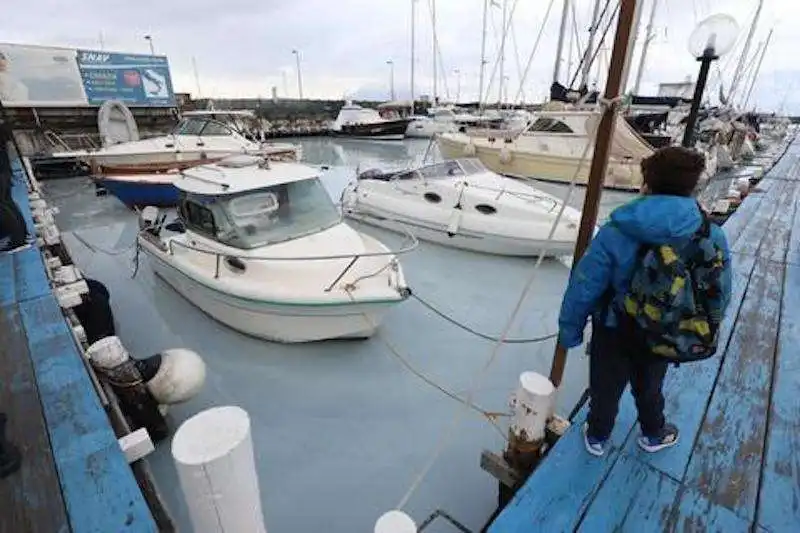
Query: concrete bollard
pixel 395 522
pixel 213 452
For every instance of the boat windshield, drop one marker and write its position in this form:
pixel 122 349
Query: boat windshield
pixel 453 167
pixel 275 214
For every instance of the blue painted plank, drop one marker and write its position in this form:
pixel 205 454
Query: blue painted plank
pixel 793 253
pixel 562 487
pixel 633 498
pixel 8 290
pixel 736 223
pixel 726 463
pixel 750 238
pixel 775 244
pixel 696 514
pixel 688 388
pixel 779 502
pixel 30 275
pixel 19 193
pixel 99 489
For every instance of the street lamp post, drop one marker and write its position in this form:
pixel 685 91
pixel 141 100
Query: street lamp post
pixel 391 79
pixel 149 39
pixel 712 38
pixel 299 75
pixel 457 72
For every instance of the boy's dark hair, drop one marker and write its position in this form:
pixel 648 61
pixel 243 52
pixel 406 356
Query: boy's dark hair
pixel 673 170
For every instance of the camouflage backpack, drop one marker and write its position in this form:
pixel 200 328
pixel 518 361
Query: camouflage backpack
pixel 674 294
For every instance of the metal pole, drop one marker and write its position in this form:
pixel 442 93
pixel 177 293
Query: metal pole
pixel 391 79
pixel 458 84
pixel 149 39
pixel 433 22
pixel 560 46
pixel 587 64
pixel 299 75
pixel 605 133
pixel 705 65
pixel 483 54
pixel 196 77
pixel 758 69
pixel 413 48
pixel 647 38
pixel 502 54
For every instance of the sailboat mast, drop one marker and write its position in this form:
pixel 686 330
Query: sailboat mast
pixel 758 69
pixel 483 54
pixel 433 20
pixel 560 46
pixel 743 59
pixel 647 38
pixel 413 48
pixel 637 20
pixel 502 54
pixel 587 64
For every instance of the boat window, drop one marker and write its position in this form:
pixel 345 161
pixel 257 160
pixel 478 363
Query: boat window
pixel 442 170
pixel 550 125
pixel 409 175
pixel 189 126
pixel 198 218
pixel 276 214
pixel 212 127
pixel 486 209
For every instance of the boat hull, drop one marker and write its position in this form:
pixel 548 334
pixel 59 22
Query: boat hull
pixel 133 194
pixel 394 130
pixel 464 239
pixel 284 322
pixel 517 164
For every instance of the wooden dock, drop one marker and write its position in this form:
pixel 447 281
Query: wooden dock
pixel 737 465
pixel 74 476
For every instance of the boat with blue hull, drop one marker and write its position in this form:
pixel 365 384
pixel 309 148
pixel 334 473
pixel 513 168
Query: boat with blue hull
pixel 142 189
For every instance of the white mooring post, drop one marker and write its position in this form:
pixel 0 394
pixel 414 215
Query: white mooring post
pixel 532 404
pixel 395 522
pixel 213 452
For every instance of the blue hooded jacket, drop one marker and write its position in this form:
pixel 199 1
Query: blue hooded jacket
pixel 611 256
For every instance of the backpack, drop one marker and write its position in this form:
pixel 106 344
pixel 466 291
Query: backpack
pixel 673 297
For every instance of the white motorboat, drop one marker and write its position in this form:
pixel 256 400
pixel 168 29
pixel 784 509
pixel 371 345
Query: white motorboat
pixel 196 139
pixel 261 247
pixel 460 203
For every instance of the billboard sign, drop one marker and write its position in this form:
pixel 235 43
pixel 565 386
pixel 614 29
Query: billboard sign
pixel 39 76
pixel 141 80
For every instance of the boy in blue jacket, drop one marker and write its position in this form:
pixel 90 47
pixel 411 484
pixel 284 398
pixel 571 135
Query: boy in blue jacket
pixel 666 213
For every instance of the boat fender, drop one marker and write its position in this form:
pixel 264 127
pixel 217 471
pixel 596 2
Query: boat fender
pixel 115 366
pixel 173 376
pixel 505 155
pixel 469 149
pixel 455 221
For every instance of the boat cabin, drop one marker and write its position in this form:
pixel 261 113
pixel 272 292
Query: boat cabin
pixel 219 123
pixel 352 114
pixel 246 202
pixel 452 168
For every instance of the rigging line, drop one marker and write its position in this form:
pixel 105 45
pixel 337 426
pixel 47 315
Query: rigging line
pixel 602 37
pixel 438 51
pixel 586 52
pixel 450 432
pixel 497 62
pixel 441 314
pixel 577 38
pixel 533 52
pixel 516 57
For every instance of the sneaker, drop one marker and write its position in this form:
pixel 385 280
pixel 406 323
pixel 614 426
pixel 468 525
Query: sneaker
pixel 668 437
pixel 594 446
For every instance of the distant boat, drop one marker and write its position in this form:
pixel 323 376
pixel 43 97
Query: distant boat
pixel 261 247
pixel 460 203
pixel 136 190
pixel 363 123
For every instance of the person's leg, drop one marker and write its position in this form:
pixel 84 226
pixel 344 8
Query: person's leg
pixel 647 383
pixel 608 374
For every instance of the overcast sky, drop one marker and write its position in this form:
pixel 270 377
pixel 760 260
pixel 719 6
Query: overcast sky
pixel 244 47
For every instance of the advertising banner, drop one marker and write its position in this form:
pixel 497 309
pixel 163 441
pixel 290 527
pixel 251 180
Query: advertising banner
pixel 136 80
pixel 38 76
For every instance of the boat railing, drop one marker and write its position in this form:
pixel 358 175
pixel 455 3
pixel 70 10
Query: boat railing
pixel 409 244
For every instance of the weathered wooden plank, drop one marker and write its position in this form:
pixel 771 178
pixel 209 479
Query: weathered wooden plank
pixel 634 497
pixel 776 239
pixel 750 238
pixel 688 388
pixel 696 514
pixel 99 489
pixel 560 490
pixel 726 463
pixel 29 272
pixel 779 501
pixel 736 223
pixel 793 253
pixel 8 282
pixel 31 498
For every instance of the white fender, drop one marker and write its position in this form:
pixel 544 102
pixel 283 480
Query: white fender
pixel 505 155
pixel 469 149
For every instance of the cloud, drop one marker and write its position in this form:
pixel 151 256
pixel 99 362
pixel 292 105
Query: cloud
pixel 244 48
